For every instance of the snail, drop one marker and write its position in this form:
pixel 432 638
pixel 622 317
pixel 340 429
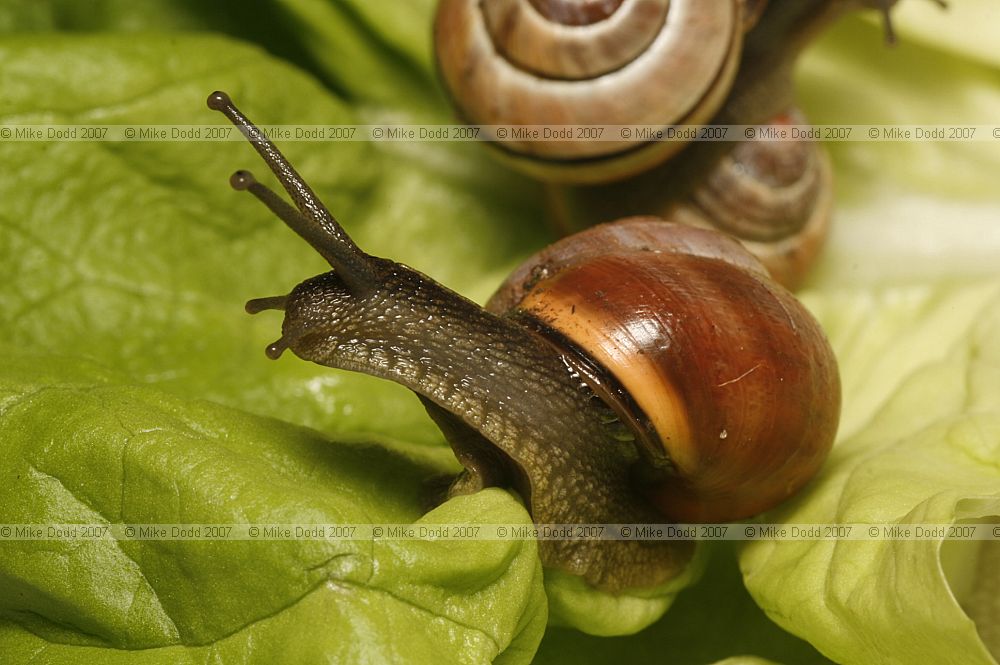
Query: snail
pixel 633 373
pixel 665 64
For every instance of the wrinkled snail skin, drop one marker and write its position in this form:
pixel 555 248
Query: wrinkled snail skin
pixel 712 394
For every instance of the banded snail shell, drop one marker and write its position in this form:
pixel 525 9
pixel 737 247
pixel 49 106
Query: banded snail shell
pixel 589 62
pixel 736 405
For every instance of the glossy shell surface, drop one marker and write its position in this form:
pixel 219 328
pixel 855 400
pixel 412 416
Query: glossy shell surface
pixel 731 372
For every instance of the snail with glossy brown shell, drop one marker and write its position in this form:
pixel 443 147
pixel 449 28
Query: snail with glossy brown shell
pixel 653 63
pixel 636 372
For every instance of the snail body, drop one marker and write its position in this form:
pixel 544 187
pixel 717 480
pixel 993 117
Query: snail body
pixel 636 372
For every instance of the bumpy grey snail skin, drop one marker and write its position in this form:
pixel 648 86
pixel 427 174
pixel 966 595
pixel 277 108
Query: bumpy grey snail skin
pixel 638 372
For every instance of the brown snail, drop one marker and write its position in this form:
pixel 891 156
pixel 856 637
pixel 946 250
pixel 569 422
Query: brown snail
pixel 573 62
pixel 661 64
pixel 635 372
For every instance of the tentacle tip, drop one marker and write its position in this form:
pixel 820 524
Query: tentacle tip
pixel 219 100
pixel 275 349
pixel 241 180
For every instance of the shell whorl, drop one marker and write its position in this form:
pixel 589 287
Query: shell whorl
pixel 762 192
pixel 775 196
pixel 572 40
pixel 560 62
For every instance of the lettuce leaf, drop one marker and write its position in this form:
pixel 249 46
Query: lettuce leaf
pixel 906 211
pixel 921 446
pixel 715 621
pixel 907 292
pixel 136 257
pixel 85 448
pixel 95 232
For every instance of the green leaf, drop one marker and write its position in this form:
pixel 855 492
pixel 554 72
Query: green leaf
pixel 575 604
pixel 379 53
pixel 906 211
pixel 913 330
pixel 139 255
pixel 117 15
pixel 710 622
pixel 266 24
pixel 99 452
pixel 966 29
pixel 921 444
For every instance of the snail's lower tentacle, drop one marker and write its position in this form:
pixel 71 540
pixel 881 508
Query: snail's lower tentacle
pixel 258 305
pixel 276 348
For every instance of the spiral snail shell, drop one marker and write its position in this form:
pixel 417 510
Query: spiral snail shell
pixel 565 62
pixel 707 383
